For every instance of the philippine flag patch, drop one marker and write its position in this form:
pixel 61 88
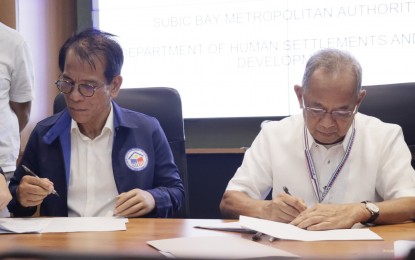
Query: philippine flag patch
pixel 136 159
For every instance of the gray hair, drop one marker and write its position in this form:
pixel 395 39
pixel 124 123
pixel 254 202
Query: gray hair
pixel 333 60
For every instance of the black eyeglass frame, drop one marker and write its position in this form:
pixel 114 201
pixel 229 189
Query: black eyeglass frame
pixel 82 87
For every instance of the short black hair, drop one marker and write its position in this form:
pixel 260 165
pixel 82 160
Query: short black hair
pixel 91 44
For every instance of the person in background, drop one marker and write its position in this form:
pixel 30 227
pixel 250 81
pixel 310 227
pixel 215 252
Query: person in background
pixel 97 158
pixel 5 195
pixel 330 167
pixel 16 95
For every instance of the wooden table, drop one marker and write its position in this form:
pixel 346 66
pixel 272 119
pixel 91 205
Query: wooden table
pixel 133 241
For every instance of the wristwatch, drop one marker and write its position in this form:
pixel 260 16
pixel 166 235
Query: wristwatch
pixel 374 211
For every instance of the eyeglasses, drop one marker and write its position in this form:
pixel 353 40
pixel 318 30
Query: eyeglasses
pixel 86 90
pixel 336 114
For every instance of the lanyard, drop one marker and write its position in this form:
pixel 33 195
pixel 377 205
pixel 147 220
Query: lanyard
pixel 313 175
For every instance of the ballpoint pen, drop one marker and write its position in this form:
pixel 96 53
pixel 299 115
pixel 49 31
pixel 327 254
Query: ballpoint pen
pixel 35 175
pixel 256 236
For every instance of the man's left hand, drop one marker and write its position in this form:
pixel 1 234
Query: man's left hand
pixel 329 216
pixel 134 203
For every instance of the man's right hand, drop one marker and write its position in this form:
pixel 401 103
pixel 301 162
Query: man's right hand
pixel 283 208
pixel 32 191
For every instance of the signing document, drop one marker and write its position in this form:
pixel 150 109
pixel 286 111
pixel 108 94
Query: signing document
pixel 290 232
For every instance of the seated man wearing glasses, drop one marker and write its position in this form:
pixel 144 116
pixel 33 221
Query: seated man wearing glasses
pixel 95 158
pixel 330 167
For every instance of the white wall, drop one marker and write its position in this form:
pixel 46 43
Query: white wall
pixel 45 24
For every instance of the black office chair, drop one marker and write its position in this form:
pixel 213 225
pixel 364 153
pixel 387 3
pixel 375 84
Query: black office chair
pixel 393 103
pixel 164 104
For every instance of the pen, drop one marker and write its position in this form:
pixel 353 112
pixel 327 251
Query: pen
pixel 256 236
pixel 29 171
pixel 286 190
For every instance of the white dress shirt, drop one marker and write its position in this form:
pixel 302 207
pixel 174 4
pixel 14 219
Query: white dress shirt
pixel 16 84
pixel 92 190
pixel 378 167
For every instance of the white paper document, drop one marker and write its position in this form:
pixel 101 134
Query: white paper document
pixel 222 247
pixel 61 224
pixel 22 225
pixel 286 231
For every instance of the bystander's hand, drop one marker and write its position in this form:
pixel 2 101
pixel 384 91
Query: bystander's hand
pixel 5 196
